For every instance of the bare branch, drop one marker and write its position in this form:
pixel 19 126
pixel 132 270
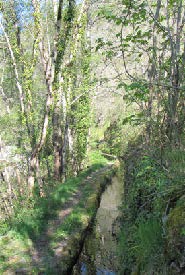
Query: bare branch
pixel 17 78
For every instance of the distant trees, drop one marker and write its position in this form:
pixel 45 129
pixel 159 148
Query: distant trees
pixel 49 56
pixel 150 41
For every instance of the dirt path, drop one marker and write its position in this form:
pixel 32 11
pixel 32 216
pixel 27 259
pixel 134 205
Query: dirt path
pixel 43 256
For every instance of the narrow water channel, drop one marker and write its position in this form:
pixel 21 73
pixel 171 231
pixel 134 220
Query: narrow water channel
pixel 99 252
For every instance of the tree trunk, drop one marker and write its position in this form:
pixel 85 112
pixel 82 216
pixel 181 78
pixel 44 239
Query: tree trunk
pixel 31 173
pixel 57 135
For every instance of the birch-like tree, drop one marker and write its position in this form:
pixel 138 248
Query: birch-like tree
pixel 56 32
pixel 150 41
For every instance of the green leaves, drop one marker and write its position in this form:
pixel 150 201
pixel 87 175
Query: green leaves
pixel 107 13
pixel 100 43
pixel 136 91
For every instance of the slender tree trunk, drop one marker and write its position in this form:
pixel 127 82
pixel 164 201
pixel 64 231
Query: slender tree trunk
pixel 66 147
pixel 174 93
pixel 18 177
pixel 17 78
pixel 38 147
pixel 64 152
pixel 59 59
pixel 57 139
pixel 31 173
pixel 152 75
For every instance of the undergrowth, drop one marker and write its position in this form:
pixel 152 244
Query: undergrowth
pixel 31 217
pixel 152 238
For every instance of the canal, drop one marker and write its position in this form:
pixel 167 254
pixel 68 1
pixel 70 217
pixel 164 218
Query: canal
pixel 99 253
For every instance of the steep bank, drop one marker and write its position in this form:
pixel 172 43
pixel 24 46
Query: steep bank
pixel 152 238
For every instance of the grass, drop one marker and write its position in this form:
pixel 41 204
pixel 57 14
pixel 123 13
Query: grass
pixel 20 233
pixel 96 158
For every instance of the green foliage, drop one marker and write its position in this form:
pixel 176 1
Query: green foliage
pixel 8 124
pixel 175 161
pixel 141 247
pixel 120 132
pixel 152 234
pixel 144 40
pixel 30 213
pixel 175 229
pixel 95 157
pixel 15 252
pixel 141 239
pixel 32 218
pixel 149 245
pixel 76 87
pixel 136 91
pixel 113 138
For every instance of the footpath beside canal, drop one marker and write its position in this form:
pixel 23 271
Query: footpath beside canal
pixel 57 248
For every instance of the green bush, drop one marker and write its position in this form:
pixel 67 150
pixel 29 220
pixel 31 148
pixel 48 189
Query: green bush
pixel 149 245
pixel 142 241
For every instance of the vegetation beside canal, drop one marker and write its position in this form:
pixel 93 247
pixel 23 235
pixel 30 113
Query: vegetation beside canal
pixel 152 228
pixel 47 236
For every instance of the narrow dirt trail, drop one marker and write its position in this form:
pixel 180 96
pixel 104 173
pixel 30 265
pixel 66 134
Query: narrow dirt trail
pixel 43 256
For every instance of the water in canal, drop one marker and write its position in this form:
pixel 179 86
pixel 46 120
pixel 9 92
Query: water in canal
pixel 99 252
